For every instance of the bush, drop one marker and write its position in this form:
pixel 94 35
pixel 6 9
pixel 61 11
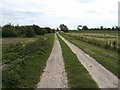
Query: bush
pixel 30 32
pixel 48 30
pixel 9 31
pixel 10 78
pixel 20 29
pixel 39 45
pixel 16 56
pixel 38 30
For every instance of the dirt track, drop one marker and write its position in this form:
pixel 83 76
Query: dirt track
pixel 54 75
pixel 101 75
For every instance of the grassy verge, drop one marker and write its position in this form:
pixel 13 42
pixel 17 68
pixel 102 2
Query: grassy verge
pixel 78 76
pixel 24 64
pixel 107 58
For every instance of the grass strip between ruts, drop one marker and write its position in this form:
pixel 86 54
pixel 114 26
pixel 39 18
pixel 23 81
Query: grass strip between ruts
pixel 78 76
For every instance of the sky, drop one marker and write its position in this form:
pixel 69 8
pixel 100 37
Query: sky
pixel 52 13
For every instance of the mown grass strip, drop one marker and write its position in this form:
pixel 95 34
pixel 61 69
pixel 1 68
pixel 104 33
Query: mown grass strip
pixel 107 58
pixel 78 76
pixel 26 72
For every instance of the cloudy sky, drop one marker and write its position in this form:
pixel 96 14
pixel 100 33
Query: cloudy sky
pixel 93 13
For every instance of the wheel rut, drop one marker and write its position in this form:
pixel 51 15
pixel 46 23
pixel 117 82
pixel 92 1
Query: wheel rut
pixel 103 77
pixel 54 75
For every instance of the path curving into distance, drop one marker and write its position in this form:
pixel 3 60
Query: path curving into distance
pixel 103 77
pixel 54 75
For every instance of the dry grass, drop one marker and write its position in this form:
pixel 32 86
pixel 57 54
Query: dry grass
pixel 17 40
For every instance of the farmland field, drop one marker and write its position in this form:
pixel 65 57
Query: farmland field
pixel 24 59
pixel 102 46
pixel 95 31
pixel 104 39
pixel 60 44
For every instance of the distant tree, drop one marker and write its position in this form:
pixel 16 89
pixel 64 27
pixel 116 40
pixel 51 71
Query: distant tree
pixel 53 30
pixel 18 28
pixel 117 27
pixel 109 28
pixel 85 27
pixel 113 28
pixel 48 30
pixel 63 28
pixel 57 29
pixel 105 28
pixel 30 32
pixel 78 28
pixel 9 30
pixel 22 29
pixel 38 30
pixel 101 27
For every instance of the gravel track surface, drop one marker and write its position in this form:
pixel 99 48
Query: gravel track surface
pixel 54 75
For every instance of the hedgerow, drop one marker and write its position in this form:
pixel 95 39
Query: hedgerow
pixel 9 30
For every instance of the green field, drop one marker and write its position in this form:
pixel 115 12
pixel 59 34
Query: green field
pixel 23 62
pixel 105 56
pixel 24 59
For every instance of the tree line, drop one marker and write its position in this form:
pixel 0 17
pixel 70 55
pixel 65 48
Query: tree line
pixel 85 27
pixel 10 30
pixel 64 28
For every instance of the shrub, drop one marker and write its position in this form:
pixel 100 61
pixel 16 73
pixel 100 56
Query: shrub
pixel 106 46
pixel 15 56
pixel 114 43
pixel 39 45
pixel 9 31
pixel 10 78
pixel 48 30
pixel 38 30
pixel 30 32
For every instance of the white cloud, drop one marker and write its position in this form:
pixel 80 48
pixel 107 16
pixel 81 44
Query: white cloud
pixel 51 13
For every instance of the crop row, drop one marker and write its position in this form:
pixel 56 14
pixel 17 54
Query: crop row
pixel 96 35
pixel 100 40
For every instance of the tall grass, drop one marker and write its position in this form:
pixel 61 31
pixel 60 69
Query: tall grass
pixel 24 63
pixel 101 40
